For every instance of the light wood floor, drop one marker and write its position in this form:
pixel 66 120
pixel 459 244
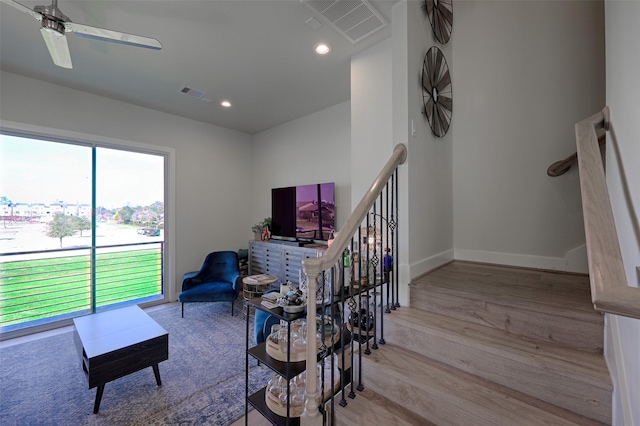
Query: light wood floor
pixel 255 419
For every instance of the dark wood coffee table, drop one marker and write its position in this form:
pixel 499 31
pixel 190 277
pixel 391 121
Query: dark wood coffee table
pixel 115 343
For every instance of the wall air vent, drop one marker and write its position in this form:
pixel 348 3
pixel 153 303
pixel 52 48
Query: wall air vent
pixel 353 19
pixel 192 92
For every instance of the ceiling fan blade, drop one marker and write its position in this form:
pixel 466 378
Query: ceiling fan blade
pixel 23 8
pixel 58 48
pixel 94 33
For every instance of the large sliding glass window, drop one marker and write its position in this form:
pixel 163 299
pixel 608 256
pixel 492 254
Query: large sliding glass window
pixel 82 229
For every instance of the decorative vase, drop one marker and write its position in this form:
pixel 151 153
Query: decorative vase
pixel 360 321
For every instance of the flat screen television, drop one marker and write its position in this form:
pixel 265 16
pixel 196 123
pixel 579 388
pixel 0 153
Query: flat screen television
pixel 304 212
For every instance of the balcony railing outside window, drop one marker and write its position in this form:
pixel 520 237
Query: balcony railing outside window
pixel 45 286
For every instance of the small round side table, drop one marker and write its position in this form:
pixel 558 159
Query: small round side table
pixel 256 286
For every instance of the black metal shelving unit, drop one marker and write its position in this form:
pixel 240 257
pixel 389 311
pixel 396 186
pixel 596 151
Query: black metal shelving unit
pixel 288 370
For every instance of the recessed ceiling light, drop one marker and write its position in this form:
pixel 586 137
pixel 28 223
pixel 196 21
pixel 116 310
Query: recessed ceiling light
pixel 226 104
pixel 322 48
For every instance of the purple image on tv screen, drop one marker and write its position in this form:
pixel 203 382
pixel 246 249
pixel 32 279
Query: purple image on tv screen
pixel 315 211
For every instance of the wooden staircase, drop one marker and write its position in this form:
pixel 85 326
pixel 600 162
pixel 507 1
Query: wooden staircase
pixel 488 345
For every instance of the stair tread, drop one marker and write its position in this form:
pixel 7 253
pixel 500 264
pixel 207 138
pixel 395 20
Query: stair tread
pixel 564 361
pixel 517 300
pixel 369 407
pixel 523 276
pixel 567 295
pixel 421 292
pixel 445 395
pixel 512 297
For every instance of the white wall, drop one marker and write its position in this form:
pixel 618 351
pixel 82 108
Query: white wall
pixel 386 96
pixel 371 135
pixel 400 103
pixel 371 127
pixel 426 206
pixel 311 149
pixel 213 164
pixel 623 179
pixel 527 72
pixel 430 180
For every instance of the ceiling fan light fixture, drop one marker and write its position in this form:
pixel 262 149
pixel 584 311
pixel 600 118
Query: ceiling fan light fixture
pixel 322 48
pixel 56 24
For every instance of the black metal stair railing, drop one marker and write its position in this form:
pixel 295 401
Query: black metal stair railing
pixel 356 284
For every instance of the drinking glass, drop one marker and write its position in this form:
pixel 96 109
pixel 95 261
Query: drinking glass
pixel 274 384
pixel 283 396
pixel 297 396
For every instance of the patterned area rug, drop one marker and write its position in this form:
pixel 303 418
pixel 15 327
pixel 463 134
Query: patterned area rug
pixel 203 381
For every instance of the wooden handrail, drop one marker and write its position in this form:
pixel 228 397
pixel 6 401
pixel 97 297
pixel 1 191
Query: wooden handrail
pixel 609 290
pixel 334 252
pixel 314 266
pixel 561 167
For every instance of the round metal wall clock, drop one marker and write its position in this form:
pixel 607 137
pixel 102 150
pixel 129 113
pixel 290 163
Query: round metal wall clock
pixel 437 94
pixel 440 13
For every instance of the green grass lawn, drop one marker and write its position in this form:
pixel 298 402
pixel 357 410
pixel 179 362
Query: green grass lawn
pixel 35 289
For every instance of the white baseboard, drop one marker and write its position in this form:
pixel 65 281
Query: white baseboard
pixel 425 265
pixel 523 260
pixel 410 271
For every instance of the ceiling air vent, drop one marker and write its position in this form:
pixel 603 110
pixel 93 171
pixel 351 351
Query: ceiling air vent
pixel 353 19
pixel 192 92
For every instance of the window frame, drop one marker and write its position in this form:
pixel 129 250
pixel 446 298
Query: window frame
pixel 170 290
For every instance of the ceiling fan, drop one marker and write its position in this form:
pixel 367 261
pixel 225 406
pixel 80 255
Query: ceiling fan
pixel 55 25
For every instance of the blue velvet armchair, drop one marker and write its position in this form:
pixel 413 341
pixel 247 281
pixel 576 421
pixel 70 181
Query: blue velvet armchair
pixel 217 281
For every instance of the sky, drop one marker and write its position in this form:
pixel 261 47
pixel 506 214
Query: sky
pixel 35 171
pixel 310 192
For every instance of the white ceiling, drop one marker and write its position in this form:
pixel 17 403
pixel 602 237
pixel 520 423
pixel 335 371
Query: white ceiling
pixel 258 54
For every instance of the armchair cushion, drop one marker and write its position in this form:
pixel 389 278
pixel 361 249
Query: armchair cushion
pixel 209 292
